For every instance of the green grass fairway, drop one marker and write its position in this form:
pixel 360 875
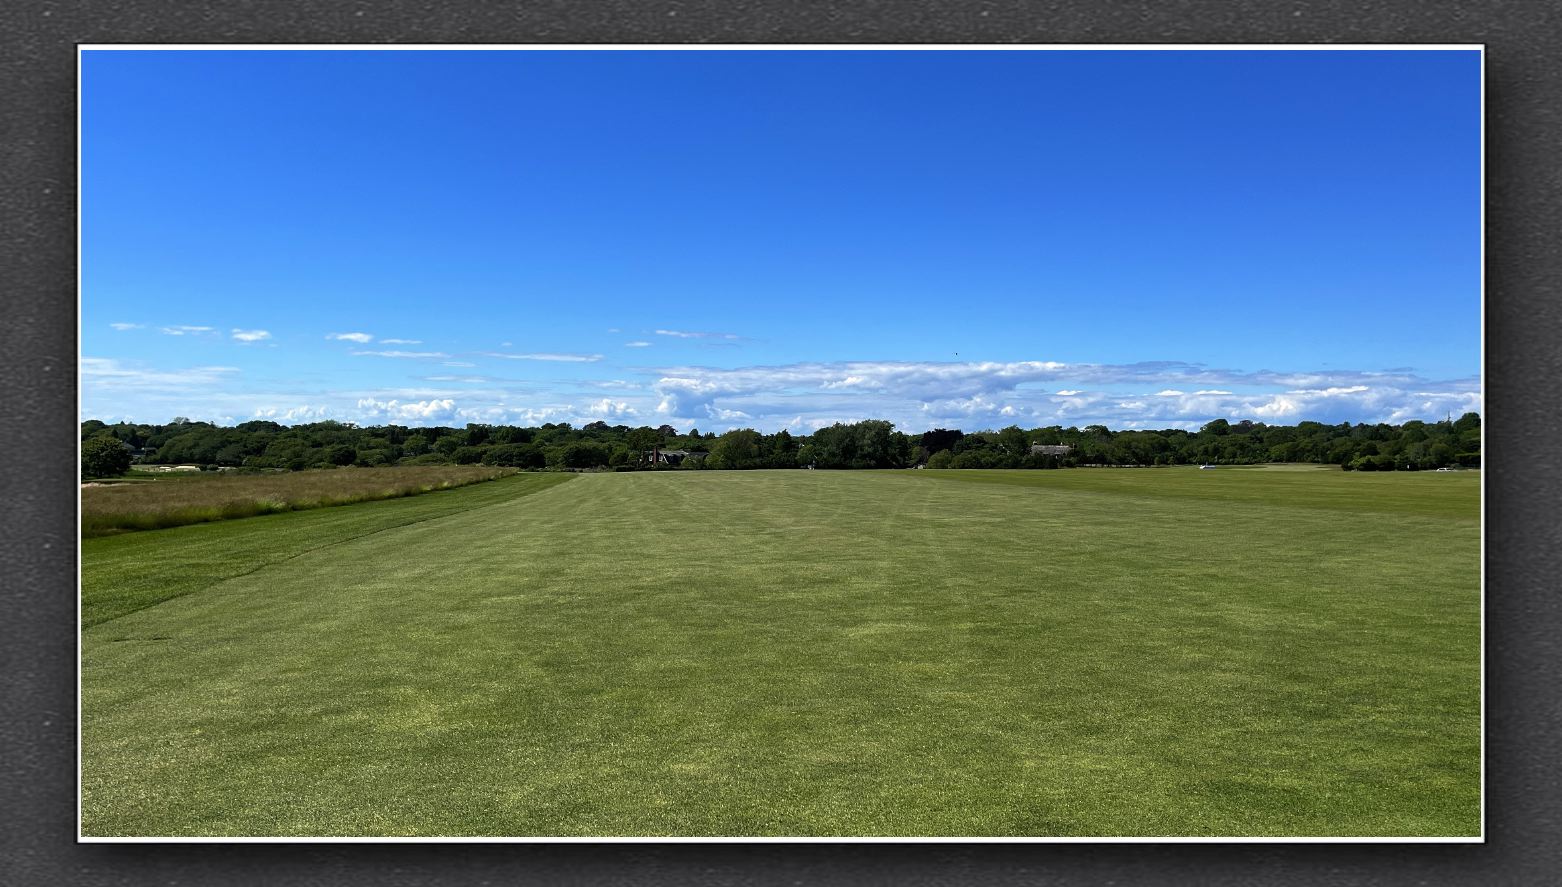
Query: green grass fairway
pixel 1051 653
pixel 122 574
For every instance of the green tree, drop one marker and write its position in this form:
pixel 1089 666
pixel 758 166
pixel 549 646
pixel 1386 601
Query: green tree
pixel 643 442
pixel 878 446
pixel 942 439
pixel 781 450
pixel 584 454
pixel 371 458
pixel 514 455
pixel 467 455
pixel 1014 441
pixel 341 454
pixel 104 457
pixel 738 448
pixel 232 454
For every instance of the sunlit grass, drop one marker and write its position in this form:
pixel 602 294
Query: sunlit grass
pixel 120 507
pixel 1090 652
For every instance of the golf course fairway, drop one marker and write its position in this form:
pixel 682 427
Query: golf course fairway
pixel 1088 652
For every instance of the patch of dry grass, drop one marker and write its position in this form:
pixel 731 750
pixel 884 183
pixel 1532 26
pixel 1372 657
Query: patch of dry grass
pixel 117 508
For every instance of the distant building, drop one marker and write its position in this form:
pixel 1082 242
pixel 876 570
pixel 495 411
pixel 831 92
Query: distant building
pixel 672 457
pixel 1050 449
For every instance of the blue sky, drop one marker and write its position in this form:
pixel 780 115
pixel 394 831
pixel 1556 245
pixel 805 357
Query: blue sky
pixel 778 239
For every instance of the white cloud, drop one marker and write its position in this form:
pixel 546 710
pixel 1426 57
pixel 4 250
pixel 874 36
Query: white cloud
pixel 975 395
pixel 360 338
pixel 637 344
pixel 294 414
pixel 441 410
pixel 250 335
pixel 416 355
pixel 606 408
pixel 913 395
pixel 401 341
pixel 459 363
pixel 562 358
pixel 1280 406
pixel 688 390
pixel 685 334
pixel 101 373
pixel 186 329
pixel 410 407
pixel 127 326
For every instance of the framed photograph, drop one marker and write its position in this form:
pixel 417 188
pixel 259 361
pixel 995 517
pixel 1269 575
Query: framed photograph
pixel 781 443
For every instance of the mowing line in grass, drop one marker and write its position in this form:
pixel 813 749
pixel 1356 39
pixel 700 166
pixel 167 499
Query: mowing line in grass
pixel 816 653
pixel 112 508
pixel 1428 493
pixel 125 573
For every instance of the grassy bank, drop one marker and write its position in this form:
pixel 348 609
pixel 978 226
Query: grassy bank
pixel 131 571
pixel 158 504
pixel 809 653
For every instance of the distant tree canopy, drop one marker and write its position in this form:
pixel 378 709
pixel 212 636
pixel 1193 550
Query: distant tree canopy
pixel 868 444
pixel 104 457
pixel 739 448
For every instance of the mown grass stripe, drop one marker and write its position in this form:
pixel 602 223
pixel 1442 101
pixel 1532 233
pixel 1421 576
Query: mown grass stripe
pixel 125 573
pixel 823 653
pixel 1429 493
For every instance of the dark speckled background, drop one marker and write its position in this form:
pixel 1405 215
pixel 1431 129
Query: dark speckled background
pixel 37 356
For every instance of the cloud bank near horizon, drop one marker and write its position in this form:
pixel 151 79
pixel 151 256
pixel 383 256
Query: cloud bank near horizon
pixel 916 396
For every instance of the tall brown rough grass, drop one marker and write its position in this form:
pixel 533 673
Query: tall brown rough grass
pixel 117 508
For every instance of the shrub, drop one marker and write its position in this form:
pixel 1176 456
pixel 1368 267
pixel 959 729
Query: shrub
pixel 371 458
pixel 426 459
pixel 584 454
pixel 515 455
pixel 467 455
pixel 977 459
pixel 341 454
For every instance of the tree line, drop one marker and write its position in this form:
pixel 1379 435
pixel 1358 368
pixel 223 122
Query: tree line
pixel 872 443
